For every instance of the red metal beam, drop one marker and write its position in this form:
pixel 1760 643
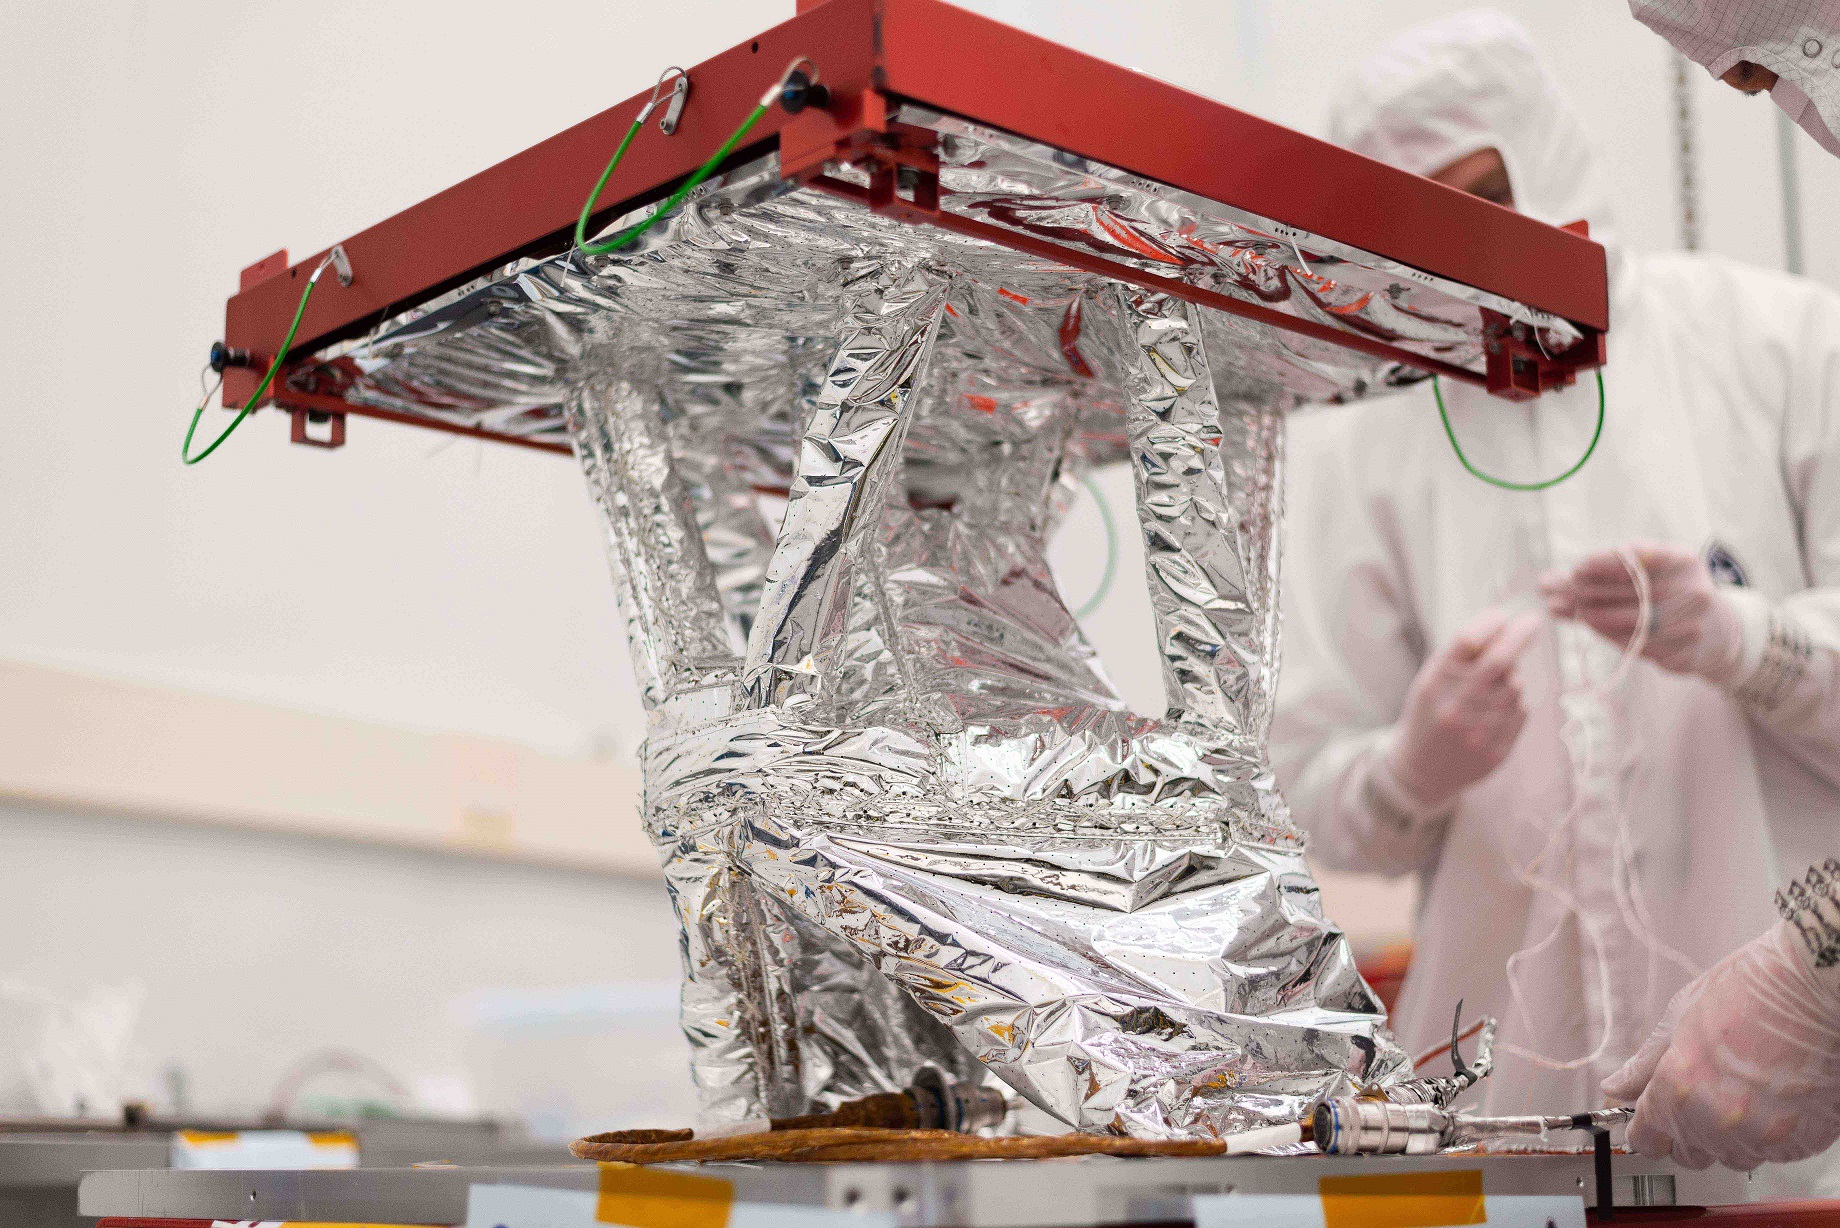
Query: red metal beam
pixel 943 57
pixel 528 203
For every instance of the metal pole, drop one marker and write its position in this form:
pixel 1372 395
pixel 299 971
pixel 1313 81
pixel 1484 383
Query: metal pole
pixel 1683 133
pixel 1791 192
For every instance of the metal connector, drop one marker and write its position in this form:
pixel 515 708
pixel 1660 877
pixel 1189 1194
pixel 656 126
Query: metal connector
pixel 1352 1125
pixel 799 91
pixel 674 106
pixel 339 262
pixel 223 356
pixel 942 1104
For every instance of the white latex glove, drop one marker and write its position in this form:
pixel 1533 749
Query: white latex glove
pixel 1693 627
pixel 1745 1067
pixel 1463 711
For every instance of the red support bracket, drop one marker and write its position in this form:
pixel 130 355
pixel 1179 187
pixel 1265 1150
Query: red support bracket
pixel 902 161
pixel 240 382
pixel 302 419
pixel 299 404
pixel 1518 368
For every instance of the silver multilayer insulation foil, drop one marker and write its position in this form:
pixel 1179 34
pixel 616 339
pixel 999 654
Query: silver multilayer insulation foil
pixel 904 816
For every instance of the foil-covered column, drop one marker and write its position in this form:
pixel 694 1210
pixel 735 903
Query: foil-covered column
pixel 676 626
pixel 1209 538
pixel 667 588
pixel 735 536
pixel 710 393
pixel 850 452
pixel 784 1017
pixel 1137 950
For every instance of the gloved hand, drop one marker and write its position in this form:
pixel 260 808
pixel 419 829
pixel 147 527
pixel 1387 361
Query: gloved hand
pixel 1745 1066
pixel 1463 711
pixel 1693 626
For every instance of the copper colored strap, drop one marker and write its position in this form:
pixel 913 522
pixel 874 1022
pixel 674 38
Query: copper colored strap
pixel 645 1146
pixel 887 1111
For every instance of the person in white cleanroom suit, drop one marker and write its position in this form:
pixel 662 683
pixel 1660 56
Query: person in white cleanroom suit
pixel 1789 47
pixel 1589 832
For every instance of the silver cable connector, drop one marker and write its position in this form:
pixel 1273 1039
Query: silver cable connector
pixel 1350 1125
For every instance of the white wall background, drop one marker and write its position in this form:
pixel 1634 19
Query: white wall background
pixel 148 151
pixel 255 950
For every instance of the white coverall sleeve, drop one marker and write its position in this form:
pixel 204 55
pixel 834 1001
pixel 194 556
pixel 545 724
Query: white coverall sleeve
pixel 1790 683
pixel 1351 649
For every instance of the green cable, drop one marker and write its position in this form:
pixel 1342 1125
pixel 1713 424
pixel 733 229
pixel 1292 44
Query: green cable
pixel 1524 486
pixel 1111 551
pixel 185 449
pixel 581 243
pixel 638 228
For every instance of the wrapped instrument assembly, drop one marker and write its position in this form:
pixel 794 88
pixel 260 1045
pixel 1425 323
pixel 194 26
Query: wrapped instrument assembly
pixel 906 821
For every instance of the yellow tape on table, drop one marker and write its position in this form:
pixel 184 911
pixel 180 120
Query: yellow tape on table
pixel 209 1138
pixel 1403 1200
pixel 635 1197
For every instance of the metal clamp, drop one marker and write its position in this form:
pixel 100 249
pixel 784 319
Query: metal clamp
pixel 674 107
pixel 340 262
pixel 301 422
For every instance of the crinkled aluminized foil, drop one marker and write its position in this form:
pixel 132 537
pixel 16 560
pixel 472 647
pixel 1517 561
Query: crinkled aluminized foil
pixel 904 816
pixel 507 374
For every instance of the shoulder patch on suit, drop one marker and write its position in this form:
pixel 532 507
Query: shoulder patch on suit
pixel 1725 567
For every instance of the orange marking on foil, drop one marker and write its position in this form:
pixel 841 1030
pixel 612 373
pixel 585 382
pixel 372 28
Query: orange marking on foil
pixel 1010 294
pixel 1127 237
pixel 1070 341
pixel 984 405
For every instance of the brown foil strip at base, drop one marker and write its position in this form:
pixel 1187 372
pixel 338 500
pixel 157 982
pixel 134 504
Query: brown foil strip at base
pixel 872 1145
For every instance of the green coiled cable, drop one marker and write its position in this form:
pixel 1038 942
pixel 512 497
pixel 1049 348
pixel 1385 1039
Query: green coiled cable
pixel 1456 447
pixel 249 406
pixel 689 185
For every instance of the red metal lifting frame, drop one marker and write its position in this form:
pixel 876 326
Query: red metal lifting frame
pixel 873 54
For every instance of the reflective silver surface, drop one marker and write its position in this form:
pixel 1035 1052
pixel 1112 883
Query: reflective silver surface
pixel 904 816
pixel 487 353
